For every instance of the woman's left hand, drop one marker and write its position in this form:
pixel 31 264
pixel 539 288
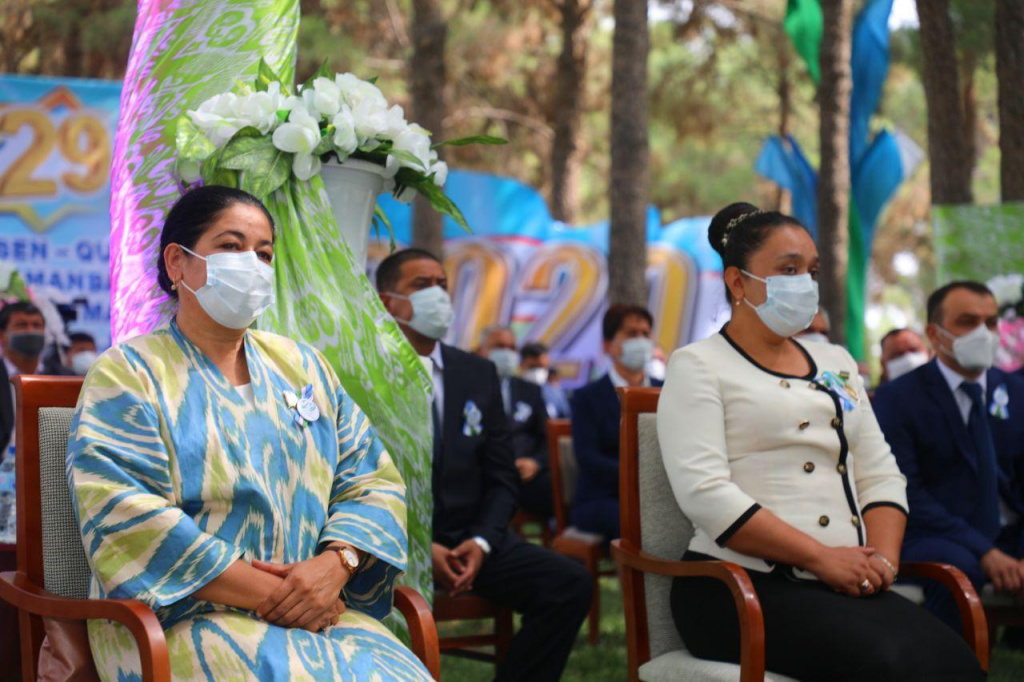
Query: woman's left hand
pixel 309 588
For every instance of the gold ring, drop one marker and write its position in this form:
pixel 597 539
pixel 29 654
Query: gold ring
pixel 865 586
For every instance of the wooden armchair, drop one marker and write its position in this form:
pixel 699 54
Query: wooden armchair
pixel 52 580
pixel 570 541
pixel 655 533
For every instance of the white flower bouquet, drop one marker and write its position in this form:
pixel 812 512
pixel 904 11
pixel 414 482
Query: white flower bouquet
pixel 257 136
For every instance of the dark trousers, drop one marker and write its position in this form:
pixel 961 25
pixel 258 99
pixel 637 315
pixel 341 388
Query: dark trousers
pixel 597 516
pixel 535 495
pixel 814 633
pixel 553 595
pixel 937 599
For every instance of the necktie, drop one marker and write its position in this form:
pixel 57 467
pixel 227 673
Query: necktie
pixel 987 513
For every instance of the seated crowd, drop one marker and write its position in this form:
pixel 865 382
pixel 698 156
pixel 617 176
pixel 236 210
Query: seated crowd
pixel 279 559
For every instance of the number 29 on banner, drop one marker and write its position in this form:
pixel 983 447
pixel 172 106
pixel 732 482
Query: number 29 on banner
pixel 82 141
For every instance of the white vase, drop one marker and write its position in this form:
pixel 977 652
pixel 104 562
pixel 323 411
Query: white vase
pixel 353 187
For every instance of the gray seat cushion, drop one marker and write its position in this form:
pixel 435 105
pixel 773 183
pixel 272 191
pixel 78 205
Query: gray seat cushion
pixel 665 532
pixel 681 666
pixel 65 569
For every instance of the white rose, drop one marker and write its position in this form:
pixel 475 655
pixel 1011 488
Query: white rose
pixel 440 171
pixel 416 141
pixel 216 118
pixel 300 136
pixel 326 97
pixel 355 90
pixel 259 109
pixel 1006 288
pixel 371 120
pixel 395 123
pixel 345 139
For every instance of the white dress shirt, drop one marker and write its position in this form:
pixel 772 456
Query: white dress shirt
pixel 736 437
pixel 619 382
pixel 963 401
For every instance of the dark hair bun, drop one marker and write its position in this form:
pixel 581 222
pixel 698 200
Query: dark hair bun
pixel 720 224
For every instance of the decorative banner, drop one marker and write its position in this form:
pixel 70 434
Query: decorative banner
pixel 986 244
pixel 549 282
pixel 56 137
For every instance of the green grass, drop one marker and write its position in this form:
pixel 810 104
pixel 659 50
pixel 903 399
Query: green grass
pixel 607 661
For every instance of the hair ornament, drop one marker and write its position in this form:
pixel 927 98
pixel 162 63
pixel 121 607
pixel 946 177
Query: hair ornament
pixel 734 222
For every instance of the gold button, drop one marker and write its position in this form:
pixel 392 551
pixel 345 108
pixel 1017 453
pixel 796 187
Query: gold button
pixel 841 468
pixel 855 520
pixel 808 467
pixel 784 383
pixel 823 521
pixel 836 422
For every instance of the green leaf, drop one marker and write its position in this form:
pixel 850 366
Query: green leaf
pixel 214 174
pixel 265 76
pixel 322 72
pixel 373 81
pixel 325 145
pixel 474 139
pixel 249 153
pixel 408 157
pixel 263 181
pixel 439 200
pixel 191 142
pixel 379 216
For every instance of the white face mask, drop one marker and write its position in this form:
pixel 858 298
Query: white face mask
pixel 506 360
pixel 656 369
pixel 536 375
pixel 636 353
pixel 239 287
pixel 905 364
pixel 790 305
pixel 814 337
pixel 974 351
pixel 432 311
pixel 82 361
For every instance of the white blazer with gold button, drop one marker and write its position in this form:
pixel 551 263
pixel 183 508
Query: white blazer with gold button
pixel 736 437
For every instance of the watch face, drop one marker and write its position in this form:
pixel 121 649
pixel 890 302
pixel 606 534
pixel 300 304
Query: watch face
pixel 350 559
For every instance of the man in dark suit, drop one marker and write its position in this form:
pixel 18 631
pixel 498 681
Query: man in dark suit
pixel 595 419
pixel 528 420
pixel 22 339
pixel 956 426
pixel 476 486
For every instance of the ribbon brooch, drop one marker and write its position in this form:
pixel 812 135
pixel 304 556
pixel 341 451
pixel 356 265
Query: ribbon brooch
pixel 523 412
pixel 306 410
pixel 1000 403
pixel 839 385
pixel 472 416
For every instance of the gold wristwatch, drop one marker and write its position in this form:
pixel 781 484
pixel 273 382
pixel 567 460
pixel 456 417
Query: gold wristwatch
pixel 349 559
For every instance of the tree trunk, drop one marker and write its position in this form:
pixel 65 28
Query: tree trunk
pixel 627 250
pixel 568 109
pixel 1010 70
pixel 834 177
pixel 427 80
pixel 784 89
pixel 948 148
pixel 970 108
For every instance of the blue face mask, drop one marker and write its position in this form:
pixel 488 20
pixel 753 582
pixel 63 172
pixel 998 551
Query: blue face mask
pixel 790 305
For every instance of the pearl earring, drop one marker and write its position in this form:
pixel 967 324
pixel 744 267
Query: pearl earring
pixel 174 287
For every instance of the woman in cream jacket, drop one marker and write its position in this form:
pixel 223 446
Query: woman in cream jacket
pixel 773 452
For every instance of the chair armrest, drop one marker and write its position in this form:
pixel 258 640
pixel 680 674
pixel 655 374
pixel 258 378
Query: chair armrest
pixel 23 594
pixel 422 628
pixel 748 606
pixel 972 613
